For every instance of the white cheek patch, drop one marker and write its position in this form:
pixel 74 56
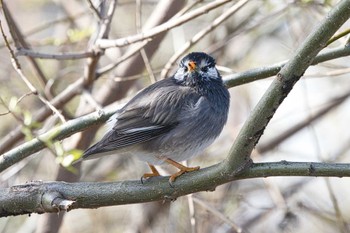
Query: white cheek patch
pixel 203 63
pixel 179 75
pixel 213 73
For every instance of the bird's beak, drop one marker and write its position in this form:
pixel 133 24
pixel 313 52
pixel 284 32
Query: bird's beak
pixel 191 66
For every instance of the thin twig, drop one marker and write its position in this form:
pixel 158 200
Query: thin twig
pixel 343 227
pixel 123 58
pixel 329 73
pixel 57 133
pixel 192 213
pixel 335 102
pixel 46 25
pixel 20 41
pixel 18 69
pixel 142 50
pixel 218 214
pixel 62 56
pixel 94 10
pixel 65 96
pixel 188 7
pixel 200 35
pixel 104 43
pixel 90 71
pixel 246 26
pixel 338 36
pixel 268 71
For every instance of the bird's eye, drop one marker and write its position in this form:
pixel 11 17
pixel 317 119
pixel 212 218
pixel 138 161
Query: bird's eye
pixel 204 69
pixel 185 69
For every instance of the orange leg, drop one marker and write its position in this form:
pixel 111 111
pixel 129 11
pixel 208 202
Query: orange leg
pixel 182 168
pixel 153 173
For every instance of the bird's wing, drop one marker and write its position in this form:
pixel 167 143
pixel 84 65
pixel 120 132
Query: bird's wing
pixel 152 112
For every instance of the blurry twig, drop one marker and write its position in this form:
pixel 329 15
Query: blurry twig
pixel 17 67
pixel 343 228
pixel 66 95
pixel 330 73
pixel 192 213
pixel 46 25
pixel 187 8
pixel 89 98
pixel 20 41
pixel 94 10
pixel 90 70
pixel 233 9
pixel 338 36
pixel 218 214
pixel 246 26
pixel 265 72
pixel 123 58
pixel 63 56
pixel 108 43
pixel 299 126
pixel 142 50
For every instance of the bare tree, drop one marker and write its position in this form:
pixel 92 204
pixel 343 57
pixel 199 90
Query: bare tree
pixel 59 92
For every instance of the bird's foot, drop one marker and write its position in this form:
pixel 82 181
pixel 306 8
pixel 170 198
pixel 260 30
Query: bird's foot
pixel 183 169
pixel 154 172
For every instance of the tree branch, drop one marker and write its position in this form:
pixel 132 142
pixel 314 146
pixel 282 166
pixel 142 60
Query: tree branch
pixel 335 102
pixel 59 195
pixel 58 133
pixel 268 71
pixel 42 197
pixel 60 56
pixel 255 125
pixel 108 43
pixel 230 81
pixel 20 153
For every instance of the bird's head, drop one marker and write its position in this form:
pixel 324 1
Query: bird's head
pixel 197 69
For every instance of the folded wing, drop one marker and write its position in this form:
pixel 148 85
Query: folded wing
pixel 151 113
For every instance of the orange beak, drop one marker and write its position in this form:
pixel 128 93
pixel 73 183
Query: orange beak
pixel 191 66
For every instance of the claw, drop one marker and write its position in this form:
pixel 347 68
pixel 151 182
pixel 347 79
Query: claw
pixel 149 175
pixel 183 169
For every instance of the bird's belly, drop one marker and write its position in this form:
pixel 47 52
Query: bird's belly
pixel 178 150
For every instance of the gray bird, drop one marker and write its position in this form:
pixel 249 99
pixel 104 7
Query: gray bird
pixel 172 120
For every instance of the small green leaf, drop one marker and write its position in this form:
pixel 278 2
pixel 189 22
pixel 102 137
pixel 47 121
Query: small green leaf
pixel 28 117
pixel 13 103
pixel 28 133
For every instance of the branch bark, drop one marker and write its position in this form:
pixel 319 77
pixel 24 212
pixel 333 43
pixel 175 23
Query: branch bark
pixel 255 125
pixel 236 166
pixel 46 197
pixel 74 126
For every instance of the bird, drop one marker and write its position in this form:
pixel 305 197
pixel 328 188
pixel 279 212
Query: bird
pixel 171 120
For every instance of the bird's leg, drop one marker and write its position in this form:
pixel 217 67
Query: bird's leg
pixel 154 172
pixel 182 168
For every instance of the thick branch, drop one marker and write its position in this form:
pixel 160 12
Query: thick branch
pixel 42 197
pixel 255 125
pixel 93 195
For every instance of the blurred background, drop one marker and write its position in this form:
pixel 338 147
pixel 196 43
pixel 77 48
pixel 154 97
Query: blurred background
pixel 312 124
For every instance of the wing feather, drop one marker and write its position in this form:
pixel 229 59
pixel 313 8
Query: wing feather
pixel 151 113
